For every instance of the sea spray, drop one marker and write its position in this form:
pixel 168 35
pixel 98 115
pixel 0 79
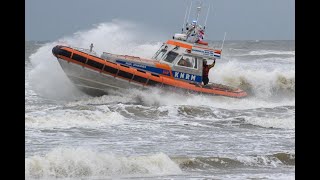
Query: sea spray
pixel 119 37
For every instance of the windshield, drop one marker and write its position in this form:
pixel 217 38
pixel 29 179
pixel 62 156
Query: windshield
pixel 170 57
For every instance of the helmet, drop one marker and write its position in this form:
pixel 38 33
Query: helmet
pixel 194 22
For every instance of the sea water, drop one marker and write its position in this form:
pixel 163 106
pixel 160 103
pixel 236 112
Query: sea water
pixel 152 134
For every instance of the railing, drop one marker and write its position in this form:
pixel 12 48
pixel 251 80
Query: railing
pixel 85 50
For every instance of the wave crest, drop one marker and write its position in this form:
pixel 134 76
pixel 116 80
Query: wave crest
pixel 79 162
pixel 260 83
pixel 274 160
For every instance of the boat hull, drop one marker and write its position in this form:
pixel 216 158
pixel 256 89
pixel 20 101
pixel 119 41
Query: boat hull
pixel 92 82
pixel 97 76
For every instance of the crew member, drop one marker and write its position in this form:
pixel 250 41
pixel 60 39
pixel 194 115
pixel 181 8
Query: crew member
pixel 205 71
pixel 91 46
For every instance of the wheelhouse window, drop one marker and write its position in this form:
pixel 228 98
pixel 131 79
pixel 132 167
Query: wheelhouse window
pixel 188 61
pixel 161 54
pixel 171 56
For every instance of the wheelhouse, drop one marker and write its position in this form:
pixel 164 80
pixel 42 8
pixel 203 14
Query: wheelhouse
pixel 185 59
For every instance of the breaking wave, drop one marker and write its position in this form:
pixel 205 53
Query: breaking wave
pixel 66 162
pixel 106 111
pixel 78 116
pixel 258 82
pixel 80 163
pixel 273 160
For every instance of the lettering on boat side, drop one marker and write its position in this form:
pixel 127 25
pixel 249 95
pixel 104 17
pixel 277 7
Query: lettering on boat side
pixel 139 65
pixel 144 67
pixel 205 52
pixel 186 76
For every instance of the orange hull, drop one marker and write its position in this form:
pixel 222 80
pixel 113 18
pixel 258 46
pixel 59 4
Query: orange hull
pixel 138 76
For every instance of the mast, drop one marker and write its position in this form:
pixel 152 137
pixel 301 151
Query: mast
pixel 198 12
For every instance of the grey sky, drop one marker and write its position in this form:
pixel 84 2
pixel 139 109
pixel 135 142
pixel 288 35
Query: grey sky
pixel 241 19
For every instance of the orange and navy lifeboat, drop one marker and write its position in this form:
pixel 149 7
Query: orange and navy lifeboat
pixel 96 74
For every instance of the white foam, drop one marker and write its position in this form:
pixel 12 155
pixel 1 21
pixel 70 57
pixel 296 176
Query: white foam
pixel 262 82
pixel 80 162
pixel 159 97
pixel 106 99
pixel 97 118
pixel 259 161
pixel 47 78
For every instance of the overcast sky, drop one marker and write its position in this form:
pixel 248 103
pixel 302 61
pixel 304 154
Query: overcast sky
pixel 241 19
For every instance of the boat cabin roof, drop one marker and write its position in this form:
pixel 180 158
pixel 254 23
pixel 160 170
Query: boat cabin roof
pixel 186 48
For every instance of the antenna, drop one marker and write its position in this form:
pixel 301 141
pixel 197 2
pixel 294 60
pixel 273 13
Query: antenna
pixel 205 22
pixel 185 16
pixel 189 10
pixel 198 12
pixel 225 33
